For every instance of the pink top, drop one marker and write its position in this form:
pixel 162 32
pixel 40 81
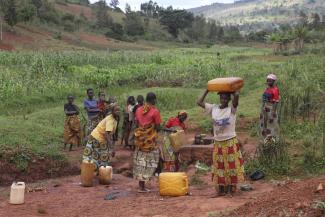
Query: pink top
pixel 151 117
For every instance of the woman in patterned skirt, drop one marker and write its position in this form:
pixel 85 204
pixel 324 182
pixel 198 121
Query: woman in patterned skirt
pixel 100 144
pixel 269 117
pixel 228 165
pixel 146 154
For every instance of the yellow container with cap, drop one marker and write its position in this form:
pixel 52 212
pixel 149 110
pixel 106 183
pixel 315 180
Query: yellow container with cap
pixel 228 85
pixel 87 173
pixel 177 140
pixel 105 175
pixel 173 184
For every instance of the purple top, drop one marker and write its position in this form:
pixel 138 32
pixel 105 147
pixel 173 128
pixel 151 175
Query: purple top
pixel 90 104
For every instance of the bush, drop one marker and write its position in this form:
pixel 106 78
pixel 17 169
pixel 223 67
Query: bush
pixel 69 26
pixel 57 35
pixel 116 32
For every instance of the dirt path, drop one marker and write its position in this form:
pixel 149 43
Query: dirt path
pixel 65 197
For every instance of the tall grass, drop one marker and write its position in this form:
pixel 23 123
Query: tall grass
pixel 34 86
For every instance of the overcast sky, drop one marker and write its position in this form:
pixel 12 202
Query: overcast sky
pixel 135 4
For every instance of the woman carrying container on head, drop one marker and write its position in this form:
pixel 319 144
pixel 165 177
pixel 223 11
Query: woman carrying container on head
pixel 169 156
pixel 72 128
pixel 146 155
pixel 269 117
pixel 100 144
pixel 228 165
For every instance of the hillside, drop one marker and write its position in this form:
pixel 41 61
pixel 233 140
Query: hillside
pixel 38 35
pixel 260 13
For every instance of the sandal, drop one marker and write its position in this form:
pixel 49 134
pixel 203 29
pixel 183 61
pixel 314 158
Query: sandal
pixel 144 191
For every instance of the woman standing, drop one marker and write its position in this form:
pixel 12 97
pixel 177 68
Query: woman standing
pixel 72 127
pixel 269 117
pixel 92 110
pixel 146 155
pixel 228 164
pixel 100 144
pixel 169 156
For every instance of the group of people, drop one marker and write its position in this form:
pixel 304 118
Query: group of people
pixel 143 122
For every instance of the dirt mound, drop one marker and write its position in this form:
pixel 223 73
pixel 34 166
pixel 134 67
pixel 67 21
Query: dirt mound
pixel 7 47
pixel 37 169
pixel 290 199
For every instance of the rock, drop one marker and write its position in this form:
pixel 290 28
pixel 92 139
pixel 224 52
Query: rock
pixel 319 188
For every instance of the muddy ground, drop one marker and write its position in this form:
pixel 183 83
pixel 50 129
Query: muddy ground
pixel 65 197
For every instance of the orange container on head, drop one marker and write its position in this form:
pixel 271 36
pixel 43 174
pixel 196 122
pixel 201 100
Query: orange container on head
pixel 228 85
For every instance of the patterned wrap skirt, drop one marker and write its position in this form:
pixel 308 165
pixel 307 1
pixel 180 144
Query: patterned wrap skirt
pixel 268 123
pixel 97 152
pixel 91 125
pixel 72 130
pixel 228 163
pixel 169 156
pixel 145 164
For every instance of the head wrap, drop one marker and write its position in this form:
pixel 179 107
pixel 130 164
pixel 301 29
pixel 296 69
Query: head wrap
pixel 182 113
pixel 272 77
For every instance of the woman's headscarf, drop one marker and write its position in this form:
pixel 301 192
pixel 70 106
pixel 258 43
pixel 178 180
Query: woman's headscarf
pixel 272 77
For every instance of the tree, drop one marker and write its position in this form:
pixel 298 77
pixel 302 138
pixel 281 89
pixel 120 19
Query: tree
pixel 38 4
pixel 114 3
pixel 175 20
pixel 198 30
pixel 127 8
pixel 26 11
pixel 47 13
pixel 103 20
pixel 301 34
pixel 213 30
pixel 8 8
pixel 134 24
pixel 315 20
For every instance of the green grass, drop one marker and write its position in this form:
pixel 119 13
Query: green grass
pixel 34 86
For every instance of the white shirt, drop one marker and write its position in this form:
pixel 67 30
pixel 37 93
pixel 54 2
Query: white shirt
pixel 224 121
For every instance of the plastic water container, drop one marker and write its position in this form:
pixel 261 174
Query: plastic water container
pixel 105 175
pixel 231 84
pixel 87 173
pixel 177 139
pixel 173 184
pixel 17 193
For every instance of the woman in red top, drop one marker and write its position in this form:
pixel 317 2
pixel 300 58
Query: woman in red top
pixel 269 117
pixel 146 154
pixel 169 156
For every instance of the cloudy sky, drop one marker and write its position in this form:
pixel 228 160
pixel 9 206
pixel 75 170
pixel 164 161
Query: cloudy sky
pixel 135 4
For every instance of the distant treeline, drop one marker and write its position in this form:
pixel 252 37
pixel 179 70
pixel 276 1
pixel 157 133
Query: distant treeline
pixel 151 22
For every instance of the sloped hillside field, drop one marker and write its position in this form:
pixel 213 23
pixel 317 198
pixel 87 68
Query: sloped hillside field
pixel 34 87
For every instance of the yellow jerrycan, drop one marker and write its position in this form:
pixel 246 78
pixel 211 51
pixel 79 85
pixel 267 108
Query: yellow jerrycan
pixel 173 184
pixel 177 140
pixel 231 84
pixel 87 173
pixel 105 175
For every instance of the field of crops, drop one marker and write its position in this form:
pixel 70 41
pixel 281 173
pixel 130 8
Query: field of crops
pixel 34 86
